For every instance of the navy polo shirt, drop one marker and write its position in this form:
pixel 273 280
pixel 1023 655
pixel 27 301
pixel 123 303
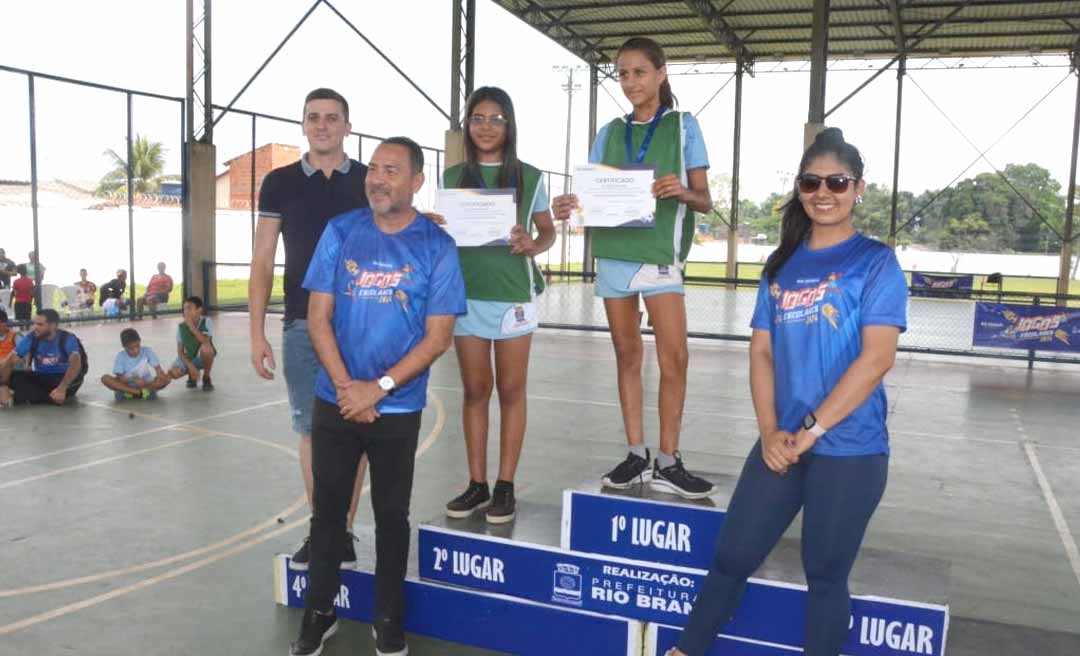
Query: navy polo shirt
pixel 305 200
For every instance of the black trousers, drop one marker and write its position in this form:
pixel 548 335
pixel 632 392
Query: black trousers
pixel 336 446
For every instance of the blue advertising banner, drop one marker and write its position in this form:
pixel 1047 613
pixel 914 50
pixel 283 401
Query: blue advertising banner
pixel 923 284
pixel 664 593
pixel 477 619
pixel 640 529
pixel 1028 327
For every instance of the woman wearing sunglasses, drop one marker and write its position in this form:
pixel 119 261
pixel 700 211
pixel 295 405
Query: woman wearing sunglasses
pixel 649 261
pixel 501 283
pixel 831 306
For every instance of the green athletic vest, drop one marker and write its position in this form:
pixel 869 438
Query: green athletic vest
pixel 670 238
pixel 191 345
pixel 492 273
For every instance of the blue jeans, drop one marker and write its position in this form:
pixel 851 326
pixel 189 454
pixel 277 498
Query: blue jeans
pixel 837 495
pixel 301 368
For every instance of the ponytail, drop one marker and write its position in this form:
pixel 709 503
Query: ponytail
pixel 667 98
pixel 795 224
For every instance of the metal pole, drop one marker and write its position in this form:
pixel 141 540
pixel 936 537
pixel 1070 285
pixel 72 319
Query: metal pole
pixel 900 72
pixel 252 197
pixel 470 45
pixel 566 168
pixel 455 66
pixel 189 97
pixel 819 54
pixel 736 148
pixel 1064 274
pixel 208 100
pixel 131 212
pixel 34 190
pixel 185 205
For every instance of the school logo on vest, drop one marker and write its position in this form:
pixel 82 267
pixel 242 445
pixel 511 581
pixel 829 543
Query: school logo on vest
pixel 567 584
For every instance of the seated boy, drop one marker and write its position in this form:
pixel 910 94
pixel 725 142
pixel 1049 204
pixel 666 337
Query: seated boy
pixel 137 372
pixel 194 346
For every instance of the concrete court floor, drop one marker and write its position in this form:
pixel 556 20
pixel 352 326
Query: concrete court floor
pixel 171 517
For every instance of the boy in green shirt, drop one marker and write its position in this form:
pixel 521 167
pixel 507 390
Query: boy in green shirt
pixel 194 346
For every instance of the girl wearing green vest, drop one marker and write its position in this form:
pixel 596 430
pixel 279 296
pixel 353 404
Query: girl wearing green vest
pixel 649 261
pixel 501 284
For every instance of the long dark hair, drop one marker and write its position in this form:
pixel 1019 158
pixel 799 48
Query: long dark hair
pixel 795 224
pixel 655 54
pixel 510 171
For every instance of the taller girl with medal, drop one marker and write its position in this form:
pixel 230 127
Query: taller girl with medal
pixel 649 261
pixel 501 285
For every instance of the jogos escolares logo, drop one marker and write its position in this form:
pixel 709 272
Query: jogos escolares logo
pixel 802 304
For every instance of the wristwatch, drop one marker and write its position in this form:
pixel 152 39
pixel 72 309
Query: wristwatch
pixel 811 424
pixel 387 384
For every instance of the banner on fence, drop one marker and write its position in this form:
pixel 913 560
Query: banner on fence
pixel 1027 327
pixel 923 284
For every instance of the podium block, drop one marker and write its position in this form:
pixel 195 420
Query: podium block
pixel 664 594
pixel 479 619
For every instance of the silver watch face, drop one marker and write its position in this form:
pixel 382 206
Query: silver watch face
pixel 386 383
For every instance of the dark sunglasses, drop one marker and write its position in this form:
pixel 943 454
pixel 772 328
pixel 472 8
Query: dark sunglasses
pixel 838 184
pixel 495 120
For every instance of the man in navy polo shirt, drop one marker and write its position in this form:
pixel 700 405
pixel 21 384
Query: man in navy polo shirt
pixel 386 288
pixel 297 201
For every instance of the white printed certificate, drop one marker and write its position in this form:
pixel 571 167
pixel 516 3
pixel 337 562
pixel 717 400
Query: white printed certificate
pixel 478 217
pixel 614 197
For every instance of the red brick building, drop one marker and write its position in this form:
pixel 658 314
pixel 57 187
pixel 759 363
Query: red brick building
pixel 234 185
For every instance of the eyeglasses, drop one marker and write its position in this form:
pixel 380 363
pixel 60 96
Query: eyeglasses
pixel 495 120
pixel 838 184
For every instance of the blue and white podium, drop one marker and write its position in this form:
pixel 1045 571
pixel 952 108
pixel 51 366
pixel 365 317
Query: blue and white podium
pixel 622 578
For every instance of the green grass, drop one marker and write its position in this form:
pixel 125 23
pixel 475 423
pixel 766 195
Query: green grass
pixel 752 271
pixel 234 291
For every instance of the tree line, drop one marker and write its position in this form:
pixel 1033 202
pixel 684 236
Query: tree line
pixel 1020 211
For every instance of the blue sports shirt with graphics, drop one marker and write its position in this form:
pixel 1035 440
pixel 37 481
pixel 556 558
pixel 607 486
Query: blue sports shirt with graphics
pixel 385 286
pixel 815 310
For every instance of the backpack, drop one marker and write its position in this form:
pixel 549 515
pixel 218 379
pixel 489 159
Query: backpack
pixel 63 335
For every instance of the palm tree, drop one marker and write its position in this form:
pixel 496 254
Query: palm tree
pixel 148 160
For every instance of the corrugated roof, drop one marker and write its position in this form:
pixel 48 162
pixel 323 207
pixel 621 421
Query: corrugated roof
pixel 773 30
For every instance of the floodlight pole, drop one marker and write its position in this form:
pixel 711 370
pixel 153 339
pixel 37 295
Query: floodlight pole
pixel 569 88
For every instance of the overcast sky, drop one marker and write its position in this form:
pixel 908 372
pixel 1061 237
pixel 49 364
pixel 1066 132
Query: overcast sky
pixel 140 44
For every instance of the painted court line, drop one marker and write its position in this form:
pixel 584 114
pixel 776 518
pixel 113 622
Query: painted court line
pixel 1055 511
pixel 93 463
pixel 129 436
pixel 436 431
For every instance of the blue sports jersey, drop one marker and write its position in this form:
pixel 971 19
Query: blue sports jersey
pixel 385 287
pixel 815 310
pixel 49 358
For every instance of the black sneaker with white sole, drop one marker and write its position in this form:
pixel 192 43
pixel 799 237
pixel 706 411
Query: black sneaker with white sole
pixel 475 497
pixel 629 472
pixel 302 557
pixel 389 641
pixel 348 561
pixel 676 480
pixel 315 629
pixel 503 504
